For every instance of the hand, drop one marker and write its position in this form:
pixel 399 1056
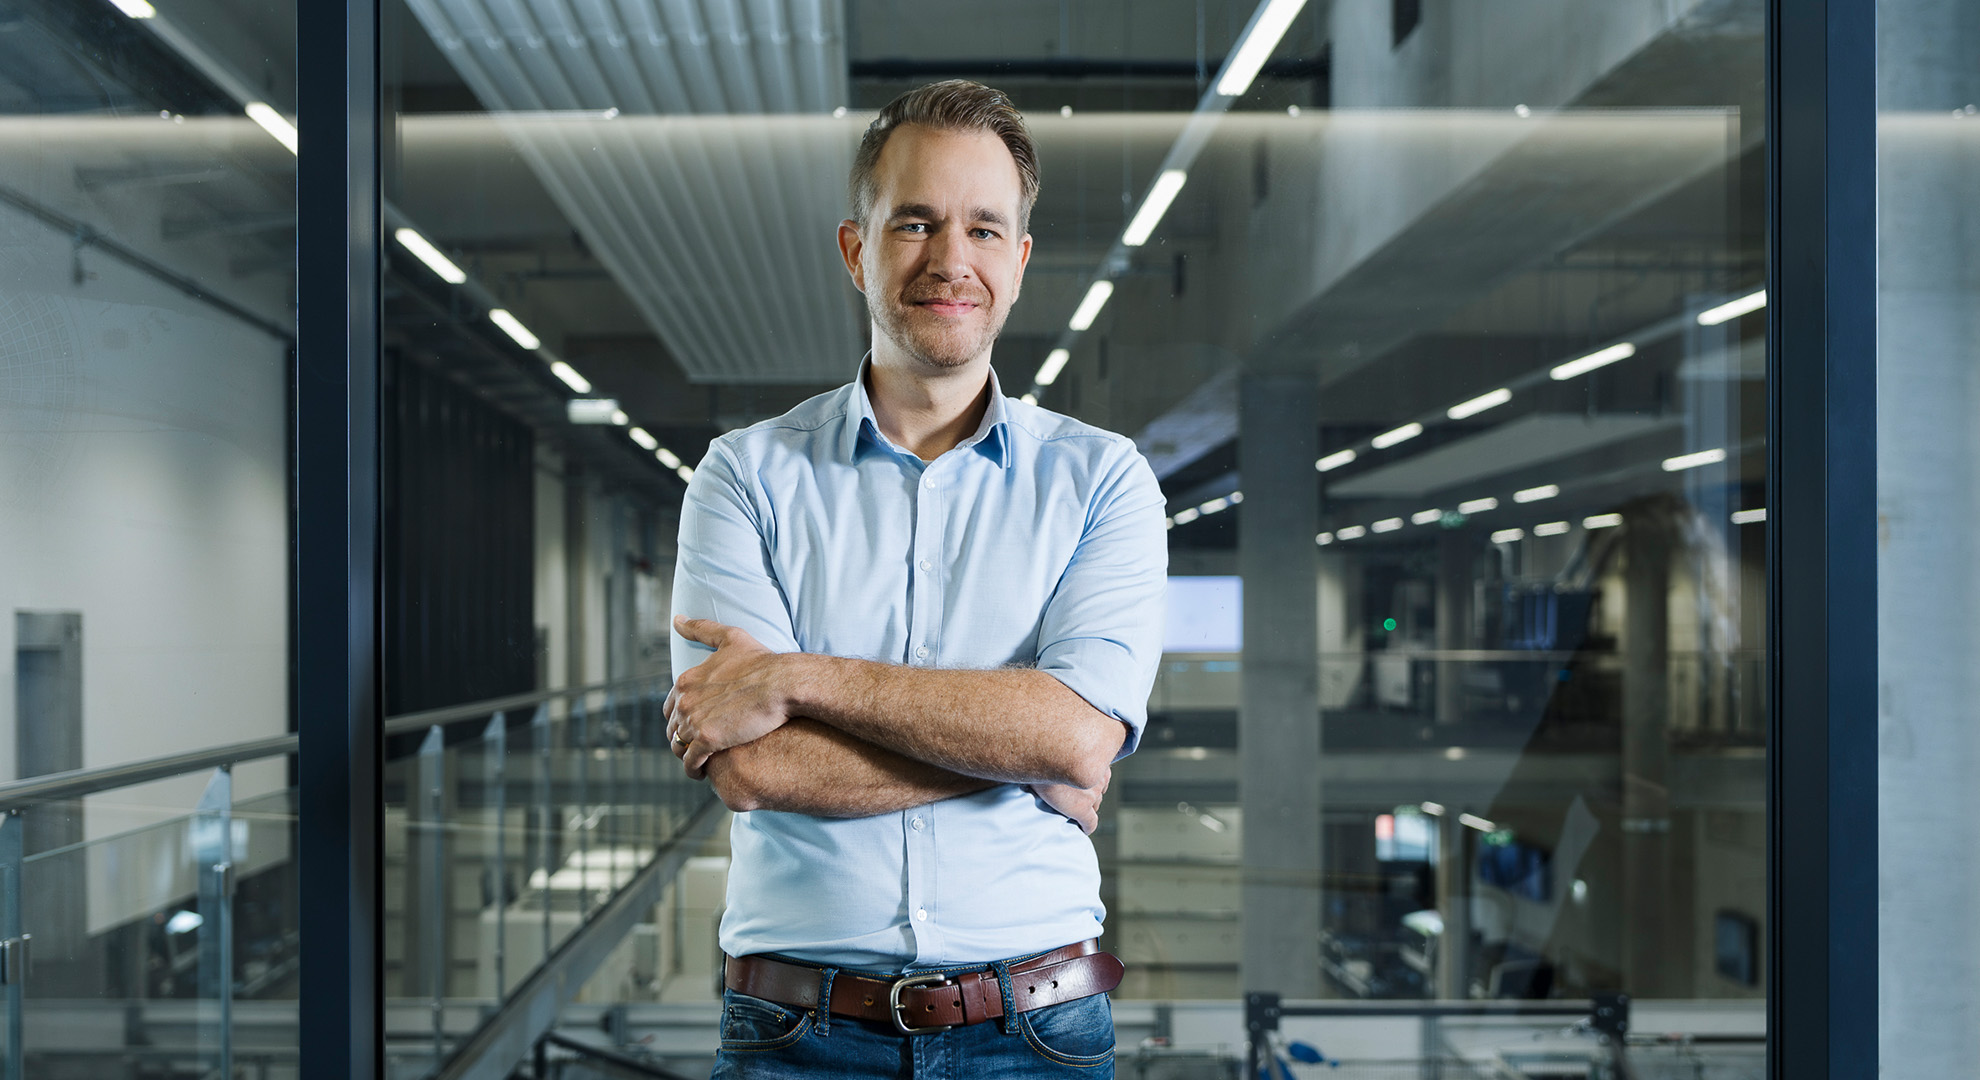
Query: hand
pixel 734 697
pixel 1082 805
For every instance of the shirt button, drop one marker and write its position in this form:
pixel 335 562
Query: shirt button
pixel 916 824
pixel 927 565
pixel 921 914
pixel 928 481
pixel 922 652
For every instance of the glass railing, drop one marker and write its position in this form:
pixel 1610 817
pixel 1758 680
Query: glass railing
pixel 171 947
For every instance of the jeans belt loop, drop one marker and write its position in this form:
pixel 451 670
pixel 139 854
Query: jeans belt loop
pixel 823 1012
pixel 1009 1020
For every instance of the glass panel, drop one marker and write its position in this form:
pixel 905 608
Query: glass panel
pixel 147 255
pixel 1441 327
pixel 1928 507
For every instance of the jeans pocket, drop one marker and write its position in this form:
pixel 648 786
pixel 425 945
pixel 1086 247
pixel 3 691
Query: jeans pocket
pixel 1076 1033
pixel 755 1024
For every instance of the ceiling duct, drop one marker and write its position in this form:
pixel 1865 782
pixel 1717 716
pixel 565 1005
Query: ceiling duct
pixel 692 145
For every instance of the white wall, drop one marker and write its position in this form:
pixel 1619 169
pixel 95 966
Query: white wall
pixel 143 483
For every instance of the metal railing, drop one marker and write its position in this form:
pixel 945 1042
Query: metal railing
pixel 514 834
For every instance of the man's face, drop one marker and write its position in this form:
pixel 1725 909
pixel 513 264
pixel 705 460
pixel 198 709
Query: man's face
pixel 940 257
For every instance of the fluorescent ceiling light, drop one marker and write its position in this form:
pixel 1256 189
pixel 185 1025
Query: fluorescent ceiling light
pixel 1168 523
pixel 684 473
pixel 667 457
pixel 1479 823
pixel 591 410
pixel 1153 207
pixel 1733 309
pixel 1055 362
pixel 1387 525
pixel 1352 532
pixel 1535 494
pixel 1508 536
pixel 1426 517
pixel 1335 460
pixel 1184 517
pixel 1324 539
pixel 1089 308
pixel 1551 528
pixel 271 121
pixel 1434 809
pixel 1236 497
pixel 514 328
pixel 1601 521
pixel 1692 461
pixel 620 419
pixel 1750 517
pixel 1214 506
pixel 1402 434
pixel 1257 46
pixel 430 255
pixel 1478 506
pixel 1600 358
pixel 570 377
pixel 1479 404
pixel 643 438
pixel 136 9
pixel 1029 399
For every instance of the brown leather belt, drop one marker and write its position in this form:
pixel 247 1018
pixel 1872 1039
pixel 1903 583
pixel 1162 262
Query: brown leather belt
pixel 916 1004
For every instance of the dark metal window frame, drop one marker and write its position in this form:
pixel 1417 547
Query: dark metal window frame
pixel 338 718
pixel 1822 929
pixel 1821 537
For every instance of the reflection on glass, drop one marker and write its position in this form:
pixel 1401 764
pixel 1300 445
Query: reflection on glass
pixel 147 254
pixel 1442 327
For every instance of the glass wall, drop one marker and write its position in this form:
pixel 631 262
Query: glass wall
pixel 147 268
pixel 1442 326
pixel 1928 506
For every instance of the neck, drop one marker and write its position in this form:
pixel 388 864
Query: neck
pixel 927 412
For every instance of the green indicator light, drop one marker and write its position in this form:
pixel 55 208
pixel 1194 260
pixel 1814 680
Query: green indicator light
pixel 1388 624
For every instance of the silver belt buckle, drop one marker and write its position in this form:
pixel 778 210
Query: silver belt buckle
pixel 894 1002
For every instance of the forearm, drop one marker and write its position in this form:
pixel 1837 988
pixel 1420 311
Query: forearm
pixel 1014 725
pixel 807 767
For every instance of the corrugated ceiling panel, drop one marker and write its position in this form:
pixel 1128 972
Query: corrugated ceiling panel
pixel 713 195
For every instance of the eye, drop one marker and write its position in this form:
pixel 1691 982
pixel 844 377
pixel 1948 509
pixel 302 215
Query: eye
pixel 915 227
pixel 984 234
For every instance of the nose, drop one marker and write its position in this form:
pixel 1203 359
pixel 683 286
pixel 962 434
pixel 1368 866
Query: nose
pixel 948 256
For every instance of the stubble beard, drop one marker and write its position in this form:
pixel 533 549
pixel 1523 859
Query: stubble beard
pixel 945 349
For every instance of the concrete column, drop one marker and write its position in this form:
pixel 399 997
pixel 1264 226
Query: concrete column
pixel 1928 506
pixel 1646 824
pixel 576 541
pixel 1279 714
pixel 1453 621
pixel 1456 848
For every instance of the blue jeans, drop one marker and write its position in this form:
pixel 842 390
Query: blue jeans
pixel 762 1040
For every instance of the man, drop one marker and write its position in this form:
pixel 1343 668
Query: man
pixel 917 623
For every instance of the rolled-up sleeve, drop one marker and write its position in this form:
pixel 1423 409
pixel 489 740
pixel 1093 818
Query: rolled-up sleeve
pixel 722 570
pixel 1101 633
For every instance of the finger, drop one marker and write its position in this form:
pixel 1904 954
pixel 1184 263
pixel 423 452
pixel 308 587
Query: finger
pixel 705 631
pixel 673 695
pixel 695 756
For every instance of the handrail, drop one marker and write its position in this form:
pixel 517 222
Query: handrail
pixel 76 783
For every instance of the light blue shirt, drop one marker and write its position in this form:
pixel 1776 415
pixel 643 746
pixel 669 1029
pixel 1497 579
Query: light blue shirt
pixel 1037 541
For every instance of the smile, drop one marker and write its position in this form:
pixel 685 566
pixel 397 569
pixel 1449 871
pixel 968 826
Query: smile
pixel 947 307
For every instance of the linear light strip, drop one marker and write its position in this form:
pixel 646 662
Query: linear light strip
pixel 430 255
pixel 1089 308
pixel 1055 362
pixel 1152 208
pixel 1733 309
pixel 1256 48
pixel 1600 358
pixel 272 122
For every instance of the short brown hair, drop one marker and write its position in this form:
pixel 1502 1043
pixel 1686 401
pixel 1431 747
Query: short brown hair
pixel 955 105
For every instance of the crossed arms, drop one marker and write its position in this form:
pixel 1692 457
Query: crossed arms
pixel 835 737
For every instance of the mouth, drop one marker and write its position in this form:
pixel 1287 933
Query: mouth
pixel 947 308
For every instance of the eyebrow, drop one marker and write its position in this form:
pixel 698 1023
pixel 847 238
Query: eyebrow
pixel 923 210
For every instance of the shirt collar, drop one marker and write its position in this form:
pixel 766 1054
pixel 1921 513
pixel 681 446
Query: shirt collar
pixel 992 437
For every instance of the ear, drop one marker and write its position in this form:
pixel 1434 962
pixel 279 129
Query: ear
pixel 1024 259
pixel 851 246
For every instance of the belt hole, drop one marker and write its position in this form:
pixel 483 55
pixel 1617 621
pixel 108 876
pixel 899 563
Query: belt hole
pixel 869 1001
pixel 1030 989
pixel 1055 984
pixel 929 1007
